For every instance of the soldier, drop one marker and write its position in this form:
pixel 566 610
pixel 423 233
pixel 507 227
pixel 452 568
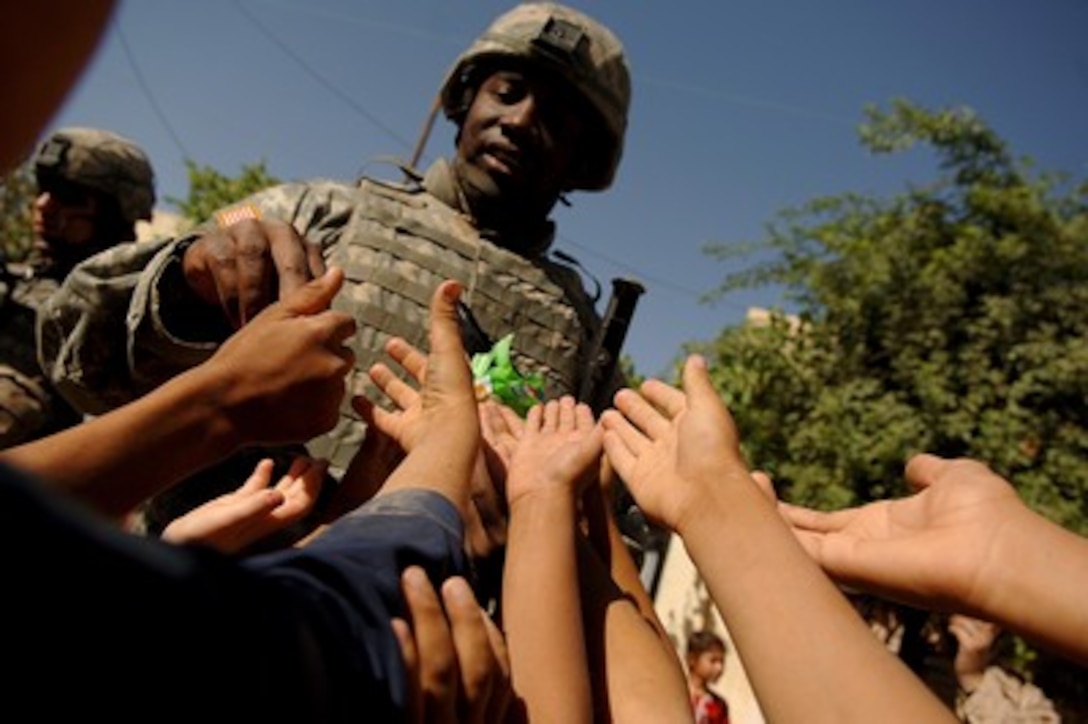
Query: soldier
pixel 540 102
pixel 93 186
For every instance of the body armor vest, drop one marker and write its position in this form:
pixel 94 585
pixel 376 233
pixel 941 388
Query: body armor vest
pixel 398 245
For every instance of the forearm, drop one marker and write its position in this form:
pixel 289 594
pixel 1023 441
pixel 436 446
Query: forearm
pixel 632 661
pixel 802 644
pixel 542 614
pixel 116 461
pixel 1037 585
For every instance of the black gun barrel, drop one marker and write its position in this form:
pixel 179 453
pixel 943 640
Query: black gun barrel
pixel 605 352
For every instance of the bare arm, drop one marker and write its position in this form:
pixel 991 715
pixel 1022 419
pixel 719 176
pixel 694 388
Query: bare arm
pixel 964 542
pixel 802 644
pixel 280 379
pixel 542 611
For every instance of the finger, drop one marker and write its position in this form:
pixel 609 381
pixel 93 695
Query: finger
pixel 923 469
pixel 817 521
pixel 444 332
pixel 338 326
pixel 566 413
pixel 616 425
pixel 409 652
pixel 397 390
pixel 411 359
pixel 475 656
pixel 583 416
pixel 765 484
pixel 641 413
pixel 261 477
pixel 501 690
pixel 316 295
pixel 621 443
pixel 669 400
pixel 314 258
pixel 302 487
pixel 292 257
pixel 552 410
pixel 254 268
pixel 697 377
pixel 514 424
pixel 534 419
pixel 438 665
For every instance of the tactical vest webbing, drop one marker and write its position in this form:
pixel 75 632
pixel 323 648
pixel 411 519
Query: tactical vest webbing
pixel 398 245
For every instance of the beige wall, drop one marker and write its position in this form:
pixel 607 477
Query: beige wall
pixel 683 605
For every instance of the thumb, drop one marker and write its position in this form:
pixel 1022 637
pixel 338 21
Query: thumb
pixel 702 395
pixel 697 377
pixel 315 295
pixel 445 327
pixel 922 469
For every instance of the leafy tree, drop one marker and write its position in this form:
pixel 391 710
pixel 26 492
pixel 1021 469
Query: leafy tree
pixel 17 192
pixel 948 318
pixel 210 190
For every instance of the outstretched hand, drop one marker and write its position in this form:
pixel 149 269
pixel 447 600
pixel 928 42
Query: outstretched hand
pixel 558 451
pixel 280 379
pixel 443 430
pixel 392 433
pixel 674 447
pixel 929 549
pixel 456 658
pixel 234 521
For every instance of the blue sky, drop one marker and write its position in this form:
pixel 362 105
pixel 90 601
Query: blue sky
pixel 740 109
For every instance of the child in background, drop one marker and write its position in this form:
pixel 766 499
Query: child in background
pixel 706 663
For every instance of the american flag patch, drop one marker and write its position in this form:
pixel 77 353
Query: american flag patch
pixel 234 214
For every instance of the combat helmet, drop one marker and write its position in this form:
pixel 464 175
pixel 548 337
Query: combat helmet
pixel 103 161
pixel 576 46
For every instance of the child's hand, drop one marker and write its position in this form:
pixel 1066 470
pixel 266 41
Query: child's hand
pixel 233 522
pixel 559 450
pixel 673 447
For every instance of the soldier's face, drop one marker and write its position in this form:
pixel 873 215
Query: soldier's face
pixel 65 214
pixel 520 136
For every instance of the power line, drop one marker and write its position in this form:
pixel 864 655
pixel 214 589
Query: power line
pixel 328 85
pixel 145 88
pixel 374 120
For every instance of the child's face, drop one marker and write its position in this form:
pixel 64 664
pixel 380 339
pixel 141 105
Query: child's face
pixel 708 665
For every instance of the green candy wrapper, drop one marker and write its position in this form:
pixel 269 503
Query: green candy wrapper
pixel 494 375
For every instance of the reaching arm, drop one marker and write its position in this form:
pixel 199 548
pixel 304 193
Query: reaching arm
pixel 964 542
pixel 279 380
pixel 542 613
pixel 807 653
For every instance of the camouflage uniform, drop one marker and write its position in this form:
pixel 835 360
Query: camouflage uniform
pixel 29 407
pixel 1001 698
pixel 395 241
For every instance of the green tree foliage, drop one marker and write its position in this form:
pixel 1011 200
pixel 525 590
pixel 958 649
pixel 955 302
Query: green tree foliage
pixel 17 192
pixel 949 318
pixel 210 190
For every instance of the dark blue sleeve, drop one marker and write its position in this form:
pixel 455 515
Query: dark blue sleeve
pixel 351 576
pixel 97 621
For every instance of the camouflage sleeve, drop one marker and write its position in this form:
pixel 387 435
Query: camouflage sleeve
pixel 24 407
pixel 102 339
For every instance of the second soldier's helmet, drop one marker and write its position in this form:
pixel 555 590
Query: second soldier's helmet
pixel 576 46
pixel 103 161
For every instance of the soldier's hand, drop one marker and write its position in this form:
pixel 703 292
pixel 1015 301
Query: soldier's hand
pixel 246 266
pixel 281 378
